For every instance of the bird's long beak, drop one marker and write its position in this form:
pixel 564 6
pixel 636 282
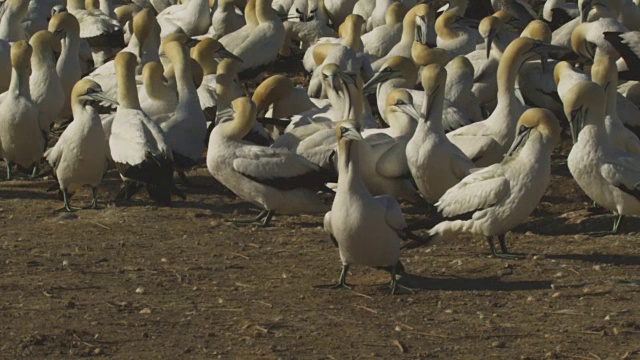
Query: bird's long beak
pixel 226 54
pixel 410 110
pixel 100 96
pixel 378 78
pixel 584 10
pixel 422 30
pixel 488 42
pixel 575 124
pixel 520 140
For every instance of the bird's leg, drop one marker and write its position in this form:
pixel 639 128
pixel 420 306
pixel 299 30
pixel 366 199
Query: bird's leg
pixel 67 206
pixel 503 246
pixel 394 282
pixel 616 224
pixel 94 198
pixel 34 172
pixel 262 220
pixel 342 281
pixel 9 170
pixel 129 188
pixel 183 178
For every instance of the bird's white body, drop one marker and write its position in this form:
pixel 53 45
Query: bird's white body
pixel 193 18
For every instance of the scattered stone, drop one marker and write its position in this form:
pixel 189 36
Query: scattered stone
pixel 498 345
pixel 140 290
pixel 145 311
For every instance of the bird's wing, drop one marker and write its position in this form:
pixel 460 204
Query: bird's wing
pixel 393 216
pixel 460 164
pixel 474 147
pixel 480 190
pixel 393 162
pixel 454 118
pixel 277 167
pixel 627 44
pixel 623 173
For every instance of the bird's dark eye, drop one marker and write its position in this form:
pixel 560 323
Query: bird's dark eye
pixel 574 114
pixel 400 102
pixel 387 70
pixel 314 10
pixel 298 11
pixel 343 130
pixel 90 91
pixel 523 129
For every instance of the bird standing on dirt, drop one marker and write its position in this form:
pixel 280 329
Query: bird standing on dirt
pixel 80 156
pixel 366 229
pixel 501 196
pixel 606 173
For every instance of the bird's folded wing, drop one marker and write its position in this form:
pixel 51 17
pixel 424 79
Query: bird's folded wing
pixel 479 190
pixel 393 217
pixel 474 147
pixel 460 164
pixel 454 118
pixel 623 173
pixel 277 167
pixel 627 44
pixel 393 162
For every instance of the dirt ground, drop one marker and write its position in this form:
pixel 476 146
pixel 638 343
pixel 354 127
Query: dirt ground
pixel 139 281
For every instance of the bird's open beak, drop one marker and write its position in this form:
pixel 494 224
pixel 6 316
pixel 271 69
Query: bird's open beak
pixel 410 110
pixel 519 142
pixel 226 54
pixel 351 134
pixel 102 97
pixel 378 78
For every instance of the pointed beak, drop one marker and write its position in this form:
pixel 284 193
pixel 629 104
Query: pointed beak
pixel 102 97
pixel 488 42
pixel 422 30
pixel 378 78
pixel 410 110
pixel 226 54
pixel 520 140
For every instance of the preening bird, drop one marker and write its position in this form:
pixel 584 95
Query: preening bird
pixel 501 196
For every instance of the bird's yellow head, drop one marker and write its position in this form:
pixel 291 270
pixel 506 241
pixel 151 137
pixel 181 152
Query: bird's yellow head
pixel 44 39
pixel 583 105
pixel 347 130
pixel 21 56
pixel 537 30
pixel 532 123
pixel 63 23
pixel 143 23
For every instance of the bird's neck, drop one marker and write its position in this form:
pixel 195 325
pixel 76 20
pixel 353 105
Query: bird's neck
pixel 75 4
pixel 19 84
pixel 184 78
pixel 508 69
pixel 349 178
pixel 43 62
pixel 434 113
pixel 209 66
pixel 264 12
pixel 127 90
pixel 107 8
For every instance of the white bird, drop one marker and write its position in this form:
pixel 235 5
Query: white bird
pixel 12 12
pixel 455 34
pixel 79 158
pixel 273 179
pixel 191 18
pixel 607 174
pixel 44 83
pixel 503 195
pixel 264 41
pixel 22 141
pixel 66 27
pixel 485 142
pixel 155 94
pixel 186 128
pixel 587 37
pixel 338 10
pixel 366 229
pixel 420 14
pixel 225 19
pixel 435 163
pixel 379 41
pixel 138 145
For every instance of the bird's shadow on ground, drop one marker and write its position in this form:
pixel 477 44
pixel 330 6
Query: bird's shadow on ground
pixel 612 259
pixel 471 284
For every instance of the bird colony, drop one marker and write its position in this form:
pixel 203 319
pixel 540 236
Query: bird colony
pixel 454 106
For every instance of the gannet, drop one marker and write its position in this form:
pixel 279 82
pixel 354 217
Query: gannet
pixel 225 19
pixel 338 10
pixel 138 145
pixel 587 37
pixel 79 158
pixel 262 45
pixel 605 74
pixel 103 33
pixel 65 27
pixel 435 163
pixel 191 18
pixel 485 142
pixel 366 229
pixel 274 179
pixel 11 15
pixel 379 41
pixel 503 195
pixel 22 141
pixel 420 14
pixel 44 84
pixel 455 34
pixel 155 94
pixel 606 173
pixel 397 72
pixel 185 128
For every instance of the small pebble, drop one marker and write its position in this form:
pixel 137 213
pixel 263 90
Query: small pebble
pixel 556 294
pixel 498 344
pixel 140 290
